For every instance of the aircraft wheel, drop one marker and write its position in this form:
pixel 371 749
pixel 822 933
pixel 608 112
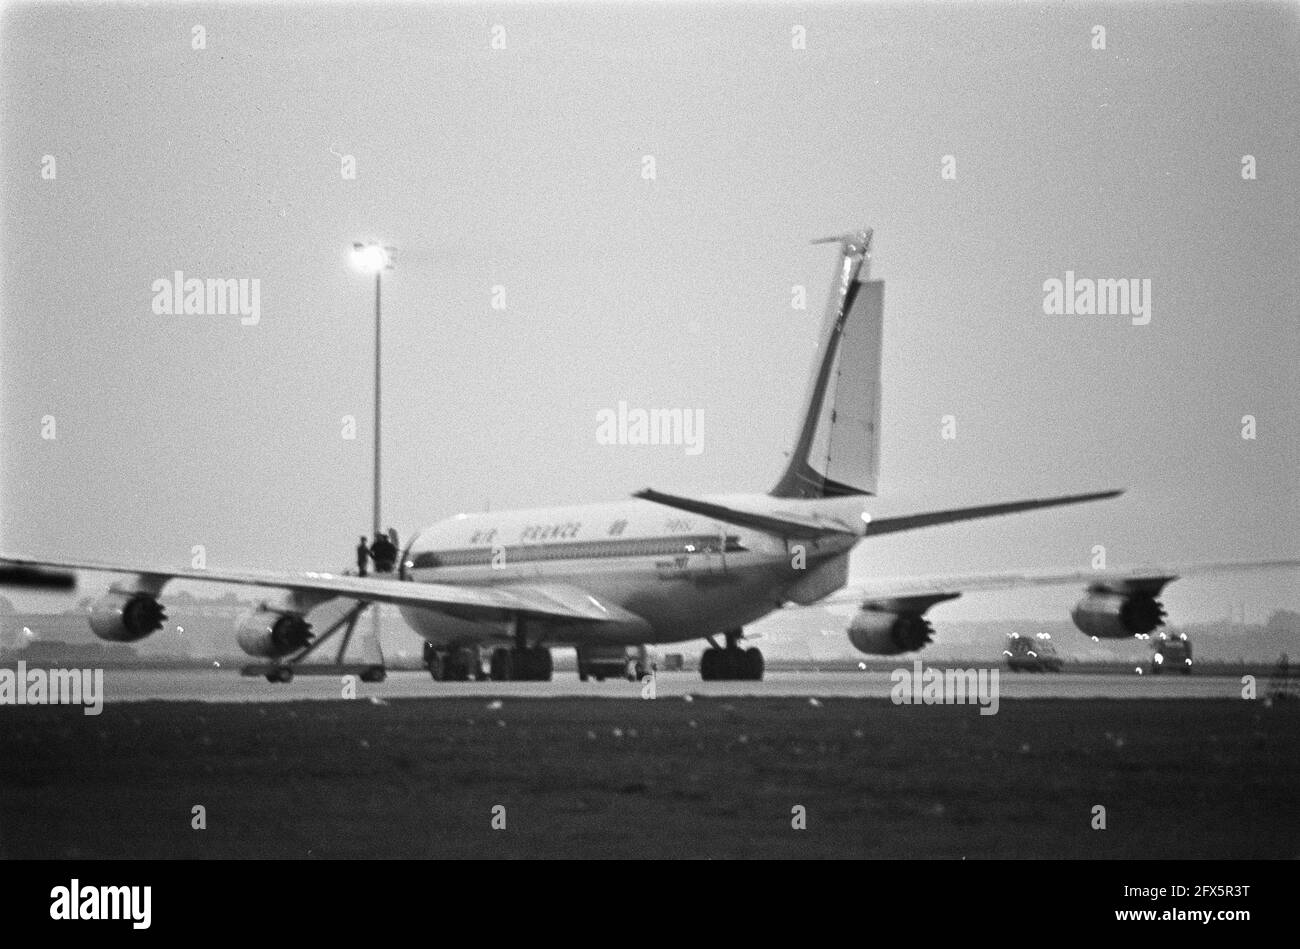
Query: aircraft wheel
pixel 721 665
pixel 456 666
pixel 502 665
pixel 753 665
pixel 437 661
pixel 733 664
pixel 541 664
pixel 283 674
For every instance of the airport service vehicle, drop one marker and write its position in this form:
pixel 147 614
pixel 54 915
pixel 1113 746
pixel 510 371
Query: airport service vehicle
pixel 1031 653
pixel 673 662
pixel 1172 653
pixel 613 662
pixel 657 567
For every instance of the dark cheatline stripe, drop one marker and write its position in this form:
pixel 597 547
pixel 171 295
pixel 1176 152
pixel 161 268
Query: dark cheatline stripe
pixel 578 550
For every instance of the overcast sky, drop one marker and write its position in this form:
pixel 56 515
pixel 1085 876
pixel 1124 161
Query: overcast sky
pixel 522 168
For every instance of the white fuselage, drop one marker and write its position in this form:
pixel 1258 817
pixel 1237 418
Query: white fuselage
pixel 687 576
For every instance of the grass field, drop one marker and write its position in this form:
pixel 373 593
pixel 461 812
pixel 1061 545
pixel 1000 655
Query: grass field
pixel 664 778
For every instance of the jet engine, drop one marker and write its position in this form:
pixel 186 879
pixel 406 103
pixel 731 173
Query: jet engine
pixel 123 617
pixel 878 633
pixel 1106 614
pixel 892 626
pixel 271 635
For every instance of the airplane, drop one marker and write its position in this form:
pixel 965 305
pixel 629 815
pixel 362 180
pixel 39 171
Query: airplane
pixel 657 567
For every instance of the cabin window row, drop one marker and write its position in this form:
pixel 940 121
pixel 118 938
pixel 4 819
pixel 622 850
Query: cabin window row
pixel 642 547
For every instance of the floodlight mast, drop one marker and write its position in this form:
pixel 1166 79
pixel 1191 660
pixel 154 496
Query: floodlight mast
pixel 376 258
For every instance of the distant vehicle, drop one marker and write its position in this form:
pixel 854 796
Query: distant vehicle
pixel 1173 651
pixel 613 662
pixel 1031 653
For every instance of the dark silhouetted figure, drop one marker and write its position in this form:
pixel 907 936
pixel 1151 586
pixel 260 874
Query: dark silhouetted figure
pixel 363 557
pixel 383 554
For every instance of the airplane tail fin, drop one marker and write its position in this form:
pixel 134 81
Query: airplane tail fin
pixel 837 451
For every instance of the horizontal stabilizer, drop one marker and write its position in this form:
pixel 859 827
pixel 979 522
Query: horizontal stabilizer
pixel 785 524
pixel 892 525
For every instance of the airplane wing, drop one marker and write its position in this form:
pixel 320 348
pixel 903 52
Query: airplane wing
pixel 37 577
pixel 540 600
pixel 1122 580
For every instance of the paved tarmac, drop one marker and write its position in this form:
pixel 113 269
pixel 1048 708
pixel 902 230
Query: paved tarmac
pixel 227 685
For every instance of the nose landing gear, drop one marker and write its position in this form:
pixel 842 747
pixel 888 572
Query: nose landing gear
pixel 731 663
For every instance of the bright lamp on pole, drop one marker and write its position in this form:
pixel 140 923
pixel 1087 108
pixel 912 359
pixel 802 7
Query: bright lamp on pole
pixel 369 258
pixel 374 258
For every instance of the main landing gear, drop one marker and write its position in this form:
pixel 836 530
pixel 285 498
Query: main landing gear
pixel 520 663
pixel 452 665
pixel 523 663
pixel 526 664
pixel 731 663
